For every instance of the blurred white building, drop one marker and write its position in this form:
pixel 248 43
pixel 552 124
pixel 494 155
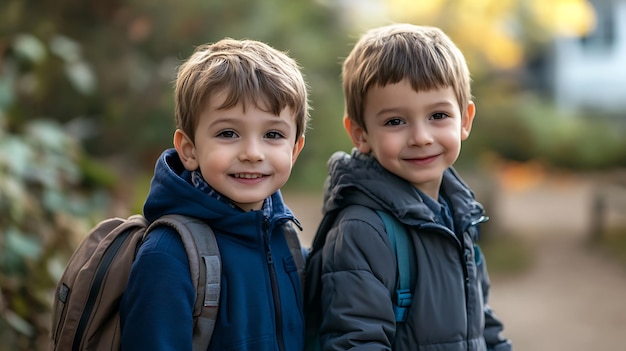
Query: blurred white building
pixel 590 72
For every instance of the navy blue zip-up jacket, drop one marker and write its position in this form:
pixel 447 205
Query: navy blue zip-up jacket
pixel 260 303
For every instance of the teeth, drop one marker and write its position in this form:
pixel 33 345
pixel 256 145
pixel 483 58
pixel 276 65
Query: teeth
pixel 247 175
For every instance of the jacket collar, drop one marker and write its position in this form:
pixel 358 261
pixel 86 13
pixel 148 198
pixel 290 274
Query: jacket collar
pixel 358 178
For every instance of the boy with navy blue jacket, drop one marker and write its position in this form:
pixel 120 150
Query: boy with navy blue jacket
pixel 241 114
pixel 408 107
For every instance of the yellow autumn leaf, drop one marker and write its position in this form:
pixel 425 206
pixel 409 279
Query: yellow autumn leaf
pixel 565 17
pixel 495 28
pixel 410 10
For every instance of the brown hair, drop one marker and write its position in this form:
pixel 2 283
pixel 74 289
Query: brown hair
pixel 425 56
pixel 250 72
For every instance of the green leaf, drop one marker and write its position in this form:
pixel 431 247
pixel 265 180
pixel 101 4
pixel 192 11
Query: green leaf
pixel 22 244
pixel 29 47
pixel 81 76
pixel 65 48
pixel 18 323
pixel 16 155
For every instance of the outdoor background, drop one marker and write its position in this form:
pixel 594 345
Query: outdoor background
pixel 86 107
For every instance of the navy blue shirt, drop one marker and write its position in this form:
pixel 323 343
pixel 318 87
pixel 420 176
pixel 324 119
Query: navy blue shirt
pixel 441 210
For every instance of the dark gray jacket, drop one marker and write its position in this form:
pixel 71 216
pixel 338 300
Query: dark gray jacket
pixel 449 310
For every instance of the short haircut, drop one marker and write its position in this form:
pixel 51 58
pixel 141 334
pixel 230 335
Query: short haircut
pixel 424 55
pixel 249 72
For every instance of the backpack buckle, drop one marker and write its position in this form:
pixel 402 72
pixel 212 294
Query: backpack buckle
pixel 403 299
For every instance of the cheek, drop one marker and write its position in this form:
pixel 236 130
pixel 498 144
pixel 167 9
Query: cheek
pixel 281 158
pixel 213 159
pixel 389 146
pixel 454 137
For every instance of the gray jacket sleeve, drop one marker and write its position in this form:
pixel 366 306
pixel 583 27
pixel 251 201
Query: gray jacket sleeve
pixel 493 326
pixel 357 280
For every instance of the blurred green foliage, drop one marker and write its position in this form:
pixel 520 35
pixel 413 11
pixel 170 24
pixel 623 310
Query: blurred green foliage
pixel 107 67
pixel 47 207
pixel 521 126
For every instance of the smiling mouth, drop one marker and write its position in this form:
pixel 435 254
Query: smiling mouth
pixel 425 158
pixel 422 160
pixel 248 175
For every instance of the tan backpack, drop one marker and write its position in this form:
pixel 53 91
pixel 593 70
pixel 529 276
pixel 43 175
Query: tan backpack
pixel 85 311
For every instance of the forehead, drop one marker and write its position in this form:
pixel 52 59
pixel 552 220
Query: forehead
pixel 226 98
pixel 403 93
pixel 220 109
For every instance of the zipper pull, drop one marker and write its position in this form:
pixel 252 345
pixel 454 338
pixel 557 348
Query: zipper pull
pixel 270 259
pixel 482 219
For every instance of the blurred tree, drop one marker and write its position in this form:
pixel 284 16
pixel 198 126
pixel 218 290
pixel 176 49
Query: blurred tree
pixel 108 66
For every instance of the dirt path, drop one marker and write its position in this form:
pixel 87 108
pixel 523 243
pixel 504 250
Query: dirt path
pixel 572 298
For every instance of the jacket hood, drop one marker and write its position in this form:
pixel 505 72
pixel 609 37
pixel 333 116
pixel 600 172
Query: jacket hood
pixel 358 178
pixel 171 192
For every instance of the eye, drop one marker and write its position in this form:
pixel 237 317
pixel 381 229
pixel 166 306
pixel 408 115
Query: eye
pixel 273 134
pixel 439 115
pixel 394 122
pixel 227 134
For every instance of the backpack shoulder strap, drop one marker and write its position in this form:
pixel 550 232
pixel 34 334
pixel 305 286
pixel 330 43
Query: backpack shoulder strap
pixel 205 268
pixel 291 236
pixel 322 230
pixel 402 246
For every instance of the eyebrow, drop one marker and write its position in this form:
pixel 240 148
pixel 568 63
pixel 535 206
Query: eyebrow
pixel 389 110
pixel 274 122
pixel 436 104
pixel 281 119
pixel 223 120
pixel 443 103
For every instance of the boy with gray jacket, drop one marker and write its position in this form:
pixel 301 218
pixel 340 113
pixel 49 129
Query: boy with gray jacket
pixel 408 108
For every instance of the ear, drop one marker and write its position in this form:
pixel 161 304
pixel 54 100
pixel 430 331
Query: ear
pixel 467 120
pixel 186 150
pixel 357 134
pixel 296 149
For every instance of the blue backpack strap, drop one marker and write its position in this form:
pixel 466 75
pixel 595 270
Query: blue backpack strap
pixel 402 246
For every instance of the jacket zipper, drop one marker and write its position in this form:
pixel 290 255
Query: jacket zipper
pixel 274 285
pixel 467 260
pixel 464 256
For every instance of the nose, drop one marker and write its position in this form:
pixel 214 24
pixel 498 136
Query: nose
pixel 251 151
pixel 420 135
